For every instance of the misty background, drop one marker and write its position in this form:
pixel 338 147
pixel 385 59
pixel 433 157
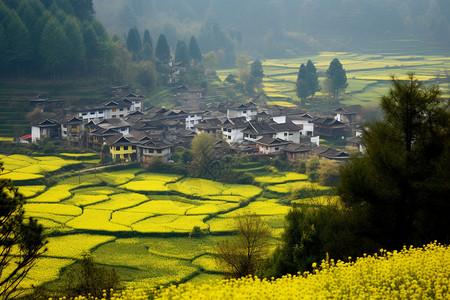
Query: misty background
pixel 280 28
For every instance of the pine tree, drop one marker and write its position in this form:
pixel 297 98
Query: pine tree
pixel 402 178
pixel 336 78
pixel 147 38
pixel 194 50
pixel 53 46
pixel 181 53
pixel 17 42
pixel 162 51
pixel 75 46
pixel 313 78
pixel 302 86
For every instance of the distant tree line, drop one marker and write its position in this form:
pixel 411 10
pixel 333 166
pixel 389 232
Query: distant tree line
pixel 60 39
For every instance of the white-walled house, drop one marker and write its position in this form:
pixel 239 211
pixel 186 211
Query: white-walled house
pixel 232 129
pixel 43 128
pixel 193 118
pixel 267 145
pixel 110 110
pixel 248 110
pixel 287 131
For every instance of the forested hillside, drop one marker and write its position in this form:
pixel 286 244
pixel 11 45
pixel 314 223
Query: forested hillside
pixel 282 27
pixel 52 39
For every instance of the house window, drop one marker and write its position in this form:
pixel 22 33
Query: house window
pixel 133 147
pixel 159 151
pixel 229 137
pixel 151 151
pixel 121 116
pixel 100 112
pixel 246 135
pixel 285 134
pixel 92 112
pixel 291 134
pixel 114 116
pixel 113 110
pixel 83 114
pixel 117 148
pixel 125 148
pixel 121 109
pixel 244 112
pixel 277 148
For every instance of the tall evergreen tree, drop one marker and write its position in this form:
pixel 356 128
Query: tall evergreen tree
pixel 147 38
pixel 181 53
pixel 83 9
pixel 194 50
pixel 91 44
pixel 75 43
pixel 302 86
pixel 134 44
pixel 17 42
pixel 402 180
pixel 147 52
pixel 162 51
pixel 53 46
pixel 313 78
pixel 257 73
pixel 336 78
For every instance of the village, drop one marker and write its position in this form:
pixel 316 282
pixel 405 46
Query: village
pixel 134 133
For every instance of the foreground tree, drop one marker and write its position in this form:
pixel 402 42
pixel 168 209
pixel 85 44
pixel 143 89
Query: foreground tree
pixel 402 179
pixel 336 80
pixel 21 241
pixel 242 256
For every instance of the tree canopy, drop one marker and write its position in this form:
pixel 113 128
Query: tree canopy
pixel 402 179
pixel 162 51
pixel 336 80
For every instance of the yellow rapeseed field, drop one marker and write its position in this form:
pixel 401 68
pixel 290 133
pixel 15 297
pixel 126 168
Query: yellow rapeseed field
pixel 412 273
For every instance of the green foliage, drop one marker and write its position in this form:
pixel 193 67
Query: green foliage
pixel 21 241
pixel 243 255
pixel 336 80
pixel 312 234
pixel 181 53
pixel 312 168
pixel 87 277
pixel 328 172
pixel 162 51
pixel 400 177
pixel 194 50
pixel 134 43
pixel 203 152
pixel 197 232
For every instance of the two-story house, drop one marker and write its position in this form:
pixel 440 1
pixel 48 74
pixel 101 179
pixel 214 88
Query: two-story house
pixel 248 110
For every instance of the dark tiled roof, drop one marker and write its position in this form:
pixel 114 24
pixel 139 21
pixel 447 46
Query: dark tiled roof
pixel 267 141
pixel 289 126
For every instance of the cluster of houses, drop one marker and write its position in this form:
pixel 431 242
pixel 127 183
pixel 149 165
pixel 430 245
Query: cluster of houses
pixel 135 133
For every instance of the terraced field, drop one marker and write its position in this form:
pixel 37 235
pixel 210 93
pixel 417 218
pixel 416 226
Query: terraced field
pixel 368 74
pixel 139 222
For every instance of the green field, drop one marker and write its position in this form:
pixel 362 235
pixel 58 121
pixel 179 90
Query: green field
pixel 368 75
pixel 139 222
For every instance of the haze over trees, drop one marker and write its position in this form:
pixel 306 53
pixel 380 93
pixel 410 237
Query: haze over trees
pixel 59 39
pixel 282 28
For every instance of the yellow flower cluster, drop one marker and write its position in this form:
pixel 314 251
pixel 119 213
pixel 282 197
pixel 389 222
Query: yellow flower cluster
pixel 412 273
pixel 281 177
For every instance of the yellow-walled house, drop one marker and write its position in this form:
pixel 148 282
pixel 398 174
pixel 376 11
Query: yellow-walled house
pixel 121 148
